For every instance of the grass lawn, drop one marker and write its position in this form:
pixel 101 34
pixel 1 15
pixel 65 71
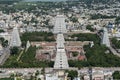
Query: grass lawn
pixel 27 60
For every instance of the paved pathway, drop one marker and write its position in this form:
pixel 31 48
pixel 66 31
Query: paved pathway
pixel 20 55
pixel 114 51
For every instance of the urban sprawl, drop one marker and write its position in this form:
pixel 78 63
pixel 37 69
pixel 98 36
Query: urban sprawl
pixel 68 40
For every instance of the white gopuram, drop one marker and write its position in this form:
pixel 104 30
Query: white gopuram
pixel 60 26
pixel 105 38
pixel 61 61
pixel 28 45
pixel 15 38
pixel 60 38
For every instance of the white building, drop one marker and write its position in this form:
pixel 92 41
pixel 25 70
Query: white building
pixel 105 39
pixel 97 75
pixel 60 26
pixel 15 38
pixel 51 77
pixel 61 61
pixel 28 44
pixel 5 35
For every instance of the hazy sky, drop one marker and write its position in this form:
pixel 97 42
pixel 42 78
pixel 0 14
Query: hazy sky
pixel 45 0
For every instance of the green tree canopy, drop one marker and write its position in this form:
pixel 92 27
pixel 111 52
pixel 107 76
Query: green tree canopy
pixel 72 74
pixel 116 75
pixel 14 50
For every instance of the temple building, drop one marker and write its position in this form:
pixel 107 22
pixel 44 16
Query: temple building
pixel 105 39
pixel 60 26
pixel 61 61
pixel 15 38
pixel 28 45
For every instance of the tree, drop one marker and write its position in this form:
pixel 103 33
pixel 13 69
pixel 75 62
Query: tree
pixel 4 42
pixel 89 27
pixel 116 75
pixel 115 43
pixel 74 19
pixel 2 39
pixel 117 20
pixel 37 36
pixel 24 43
pixel 43 71
pixel 100 16
pixel 14 50
pixel 75 54
pixel 39 79
pixel 87 37
pixel 72 74
pixel 1 31
pixel 37 73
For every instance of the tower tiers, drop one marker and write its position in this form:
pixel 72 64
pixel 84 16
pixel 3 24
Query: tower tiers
pixel 61 61
pixel 15 38
pixel 105 39
pixel 60 26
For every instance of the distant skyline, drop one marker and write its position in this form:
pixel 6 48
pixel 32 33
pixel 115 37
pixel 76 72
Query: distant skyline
pixel 45 0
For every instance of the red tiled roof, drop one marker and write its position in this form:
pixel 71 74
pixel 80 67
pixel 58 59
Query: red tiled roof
pixel 81 57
